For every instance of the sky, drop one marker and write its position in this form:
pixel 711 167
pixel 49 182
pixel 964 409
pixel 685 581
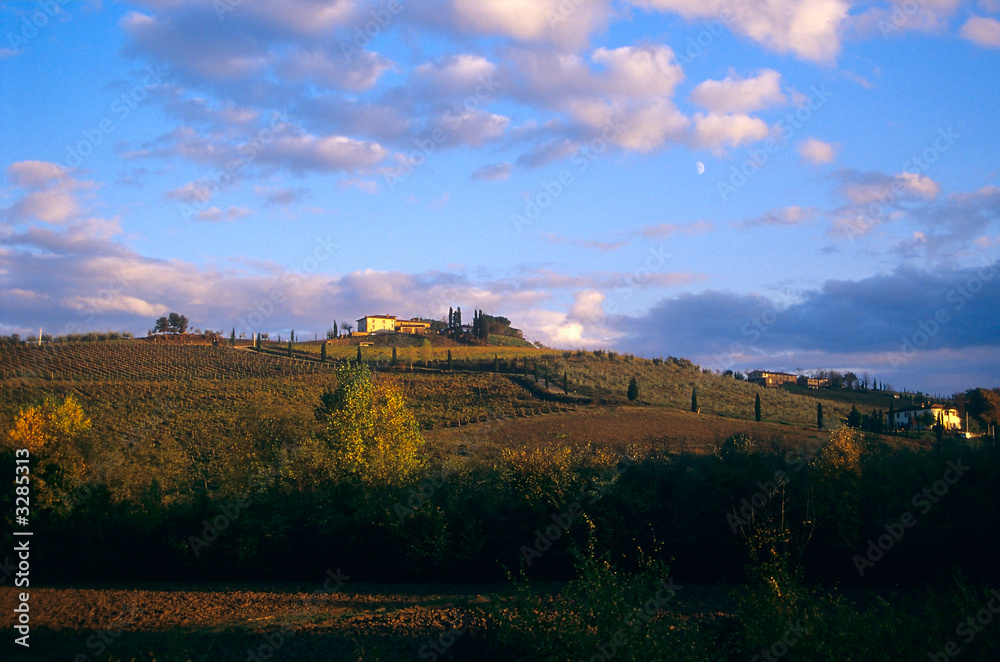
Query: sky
pixel 778 184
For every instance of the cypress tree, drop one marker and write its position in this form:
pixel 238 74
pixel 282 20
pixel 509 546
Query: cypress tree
pixel 336 333
pixel 565 382
pixel 756 408
pixel 293 336
pixel 322 352
pixel 854 418
pixel 359 353
pixel 289 349
pixel 694 400
pixel 536 371
pixel 633 389
pixel 256 342
pixel 892 418
pixel 394 360
pixel 232 338
pixel 819 415
pixel 449 359
pixel 496 363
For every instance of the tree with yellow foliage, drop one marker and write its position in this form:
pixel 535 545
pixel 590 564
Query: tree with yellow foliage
pixel 57 435
pixel 373 437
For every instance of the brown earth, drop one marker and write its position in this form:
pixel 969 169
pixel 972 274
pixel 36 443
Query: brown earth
pixel 646 428
pixel 289 621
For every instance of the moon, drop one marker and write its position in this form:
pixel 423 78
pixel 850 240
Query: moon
pixel 700 167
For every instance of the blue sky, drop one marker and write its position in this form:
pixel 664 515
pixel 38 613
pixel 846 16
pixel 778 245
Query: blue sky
pixel 778 184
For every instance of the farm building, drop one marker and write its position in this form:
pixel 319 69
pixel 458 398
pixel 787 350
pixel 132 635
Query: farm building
pixel 767 378
pixel 370 324
pixel 910 417
pixel 812 382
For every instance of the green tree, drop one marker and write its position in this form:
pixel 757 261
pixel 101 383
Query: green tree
pixel 358 360
pixel 756 408
pixel 819 415
pixel 256 342
pixel 232 338
pixel 293 335
pixel 854 418
pixel 322 352
pixel 393 361
pixel 449 359
pixel 565 382
pixel 891 421
pixel 694 400
pixel 372 435
pixel 289 349
pixel 496 363
pixel 633 389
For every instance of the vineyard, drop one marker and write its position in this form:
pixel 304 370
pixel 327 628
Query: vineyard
pixel 131 360
pixel 121 382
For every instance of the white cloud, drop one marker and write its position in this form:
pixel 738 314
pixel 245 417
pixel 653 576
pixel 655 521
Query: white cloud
pixel 785 216
pixel 809 28
pixel 714 131
pixel 983 31
pixel 51 193
pixel 566 23
pixel 663 230
pixel 740 95
pixel 816 151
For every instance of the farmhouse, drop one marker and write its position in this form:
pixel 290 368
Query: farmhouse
pixel 370 324
pixel 911 417
pixel 812 382
pixel 767 378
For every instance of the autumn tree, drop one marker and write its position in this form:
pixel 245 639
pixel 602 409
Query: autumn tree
pixel 372 436
pixel 56 435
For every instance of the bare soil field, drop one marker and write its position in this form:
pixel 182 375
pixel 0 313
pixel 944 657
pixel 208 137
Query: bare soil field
pixel 273 622
pixel 644 428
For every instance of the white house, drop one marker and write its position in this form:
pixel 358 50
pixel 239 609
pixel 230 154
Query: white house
pixel 909 417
